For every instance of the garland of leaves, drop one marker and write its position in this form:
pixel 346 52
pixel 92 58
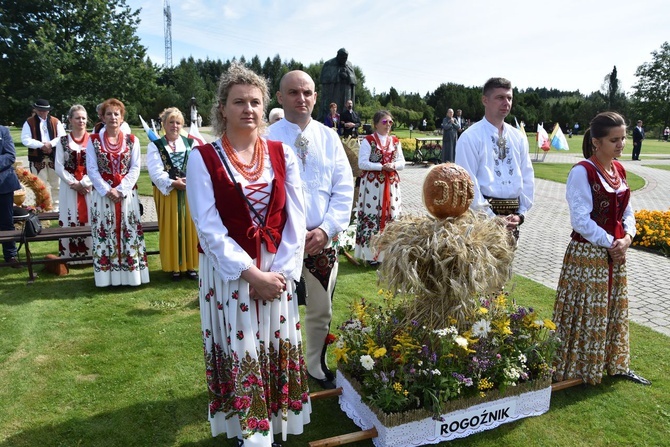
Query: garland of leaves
pixel 37 186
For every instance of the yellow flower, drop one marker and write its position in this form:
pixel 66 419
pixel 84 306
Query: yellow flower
pixel 341 354
pixel 380 352
pixel 483 310
pixel 549 324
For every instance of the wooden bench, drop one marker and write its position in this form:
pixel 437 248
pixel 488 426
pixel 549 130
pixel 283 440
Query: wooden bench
pixel 54 233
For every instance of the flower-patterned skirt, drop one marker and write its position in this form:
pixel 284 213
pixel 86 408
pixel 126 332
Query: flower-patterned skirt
pixel 369 211
pixel 119 252
pixel 591 315
pixel 256 374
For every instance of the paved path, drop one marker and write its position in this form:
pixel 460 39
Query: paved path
pixel 545 235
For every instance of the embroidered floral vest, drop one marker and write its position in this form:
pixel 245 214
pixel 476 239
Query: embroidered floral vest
pixel 608 207
pixel 112 167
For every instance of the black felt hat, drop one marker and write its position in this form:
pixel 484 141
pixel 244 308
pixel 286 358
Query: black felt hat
pixel 42 104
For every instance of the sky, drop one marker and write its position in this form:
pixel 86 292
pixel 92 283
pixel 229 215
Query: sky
pixel 414 46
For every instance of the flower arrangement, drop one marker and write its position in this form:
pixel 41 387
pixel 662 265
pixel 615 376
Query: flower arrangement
pixel 653 230
pixel 35 184
pixel 507 349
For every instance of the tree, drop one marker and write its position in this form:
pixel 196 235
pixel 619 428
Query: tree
pixel 616 98
pixel 652 92
pixel 72 50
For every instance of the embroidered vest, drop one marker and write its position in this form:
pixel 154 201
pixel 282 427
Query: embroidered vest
pixel 36 133
pixel 104 161
pixel 233 208
pixel 168 165
pixel 72 161
pixel 608 207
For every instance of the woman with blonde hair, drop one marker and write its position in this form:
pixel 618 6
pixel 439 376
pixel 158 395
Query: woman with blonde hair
pixel 70 165
pixel 167 159
pixel 246 200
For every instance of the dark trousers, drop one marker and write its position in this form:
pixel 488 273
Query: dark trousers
pixel 637 147
pixel 7 223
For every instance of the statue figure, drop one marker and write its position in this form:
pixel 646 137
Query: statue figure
pixel 338 83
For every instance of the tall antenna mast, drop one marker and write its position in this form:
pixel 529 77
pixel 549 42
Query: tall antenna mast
pixel 167 20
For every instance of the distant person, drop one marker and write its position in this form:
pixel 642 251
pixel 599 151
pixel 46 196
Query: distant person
pixel 338 82
pixel 350 121
pixel 638 136
pixel 40 135
pixel 9 182
pixel 462 125
pixel 591 309
pixel 332 120
pixel 379 202
pixel 576 129
pixel 449 136
pixel 666 133
pixel 167 160
pixel 424 124
pixel 275 115
pixel 328 186
pixel 194 112
pixel 496 156
pixel 75 194
pixel 113 165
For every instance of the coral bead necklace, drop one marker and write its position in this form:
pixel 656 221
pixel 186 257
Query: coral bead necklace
pixel 250 171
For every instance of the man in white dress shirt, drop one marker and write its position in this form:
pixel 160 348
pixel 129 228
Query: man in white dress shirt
pixel 496 156
pixel 328 186
pixel 40 135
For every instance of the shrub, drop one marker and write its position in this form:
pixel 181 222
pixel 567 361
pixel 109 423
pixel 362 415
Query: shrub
pixel 653 230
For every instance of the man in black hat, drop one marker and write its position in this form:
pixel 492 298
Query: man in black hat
pixel 40 135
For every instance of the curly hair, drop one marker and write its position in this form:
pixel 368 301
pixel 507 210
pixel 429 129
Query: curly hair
pixel 237 74
pixel 113 102
pixel 168 113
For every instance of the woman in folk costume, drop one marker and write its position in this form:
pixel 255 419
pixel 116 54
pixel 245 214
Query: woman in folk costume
pixel 113 165
pixel 166 163
pixel 246 200
pixel 591 309
pixel 70 165
pixel 380 158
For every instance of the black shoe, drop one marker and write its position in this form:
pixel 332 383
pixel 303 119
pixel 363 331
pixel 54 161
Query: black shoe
pixel 631 375
pixel 192 274
pixel 176 276
pixel 323 383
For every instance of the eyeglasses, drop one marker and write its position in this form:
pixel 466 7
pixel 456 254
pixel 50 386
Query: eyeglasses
pixel 387 122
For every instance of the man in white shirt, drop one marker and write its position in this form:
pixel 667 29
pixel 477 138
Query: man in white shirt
pixel 328 186
pixel 496 156
pixel 40 135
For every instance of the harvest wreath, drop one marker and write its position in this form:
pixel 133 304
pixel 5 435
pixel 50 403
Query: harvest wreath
pixel 37 186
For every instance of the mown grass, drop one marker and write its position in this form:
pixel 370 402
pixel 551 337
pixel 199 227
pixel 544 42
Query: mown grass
pixel 123 367
pixel 558 172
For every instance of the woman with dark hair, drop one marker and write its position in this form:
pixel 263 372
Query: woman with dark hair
pixel 379 158
pixel 70 165
pixel 167 159
pixel 113 165
pixel 591 309
pixel 332 119
pixel 246 200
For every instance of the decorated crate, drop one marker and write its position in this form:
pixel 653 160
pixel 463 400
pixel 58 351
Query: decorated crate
pixel 456 424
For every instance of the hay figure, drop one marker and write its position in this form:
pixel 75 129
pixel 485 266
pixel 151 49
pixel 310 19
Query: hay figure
pixel 445 264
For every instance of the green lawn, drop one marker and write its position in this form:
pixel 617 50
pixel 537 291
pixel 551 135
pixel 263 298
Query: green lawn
pixel 558 172
pixel 123 367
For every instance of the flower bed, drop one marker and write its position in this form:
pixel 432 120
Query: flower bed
pixel 653 230
pixel 408 372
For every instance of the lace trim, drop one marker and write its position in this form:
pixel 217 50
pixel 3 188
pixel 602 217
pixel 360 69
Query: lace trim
pixel 218 260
